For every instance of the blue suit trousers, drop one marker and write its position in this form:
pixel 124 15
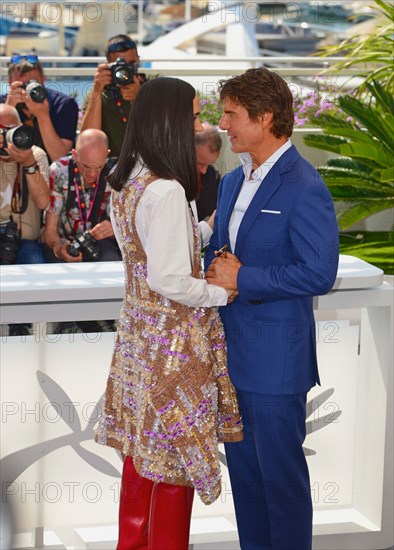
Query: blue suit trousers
pixel 269 474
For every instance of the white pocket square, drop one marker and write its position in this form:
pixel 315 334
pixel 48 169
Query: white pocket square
pixel 271 211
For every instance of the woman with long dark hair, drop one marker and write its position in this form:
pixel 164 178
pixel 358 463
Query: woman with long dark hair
pixel 169 400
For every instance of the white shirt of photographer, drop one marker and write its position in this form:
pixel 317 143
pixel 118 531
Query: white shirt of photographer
pixel 165 229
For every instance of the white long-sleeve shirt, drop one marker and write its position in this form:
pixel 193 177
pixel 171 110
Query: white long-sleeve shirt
pixel 166 233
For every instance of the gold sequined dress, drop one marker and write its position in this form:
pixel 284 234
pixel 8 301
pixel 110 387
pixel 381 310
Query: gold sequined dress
pixel 169 399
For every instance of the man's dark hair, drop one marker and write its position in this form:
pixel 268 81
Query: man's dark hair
pixel 262 91
pixel 160 130
pixel 124 42
pixel 24 67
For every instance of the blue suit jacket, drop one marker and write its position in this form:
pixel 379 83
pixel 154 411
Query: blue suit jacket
pixel 288 245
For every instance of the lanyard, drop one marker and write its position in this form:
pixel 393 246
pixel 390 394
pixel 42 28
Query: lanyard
pixel 80 192
pixel 118 103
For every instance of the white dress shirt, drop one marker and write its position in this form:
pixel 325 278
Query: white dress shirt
pixel 250 186
pixel 165 229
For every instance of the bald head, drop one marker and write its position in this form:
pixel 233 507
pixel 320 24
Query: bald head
pixel 9 116
pixel 92 138
pixel 91 153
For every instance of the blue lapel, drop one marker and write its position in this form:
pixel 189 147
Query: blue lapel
pixel 268 187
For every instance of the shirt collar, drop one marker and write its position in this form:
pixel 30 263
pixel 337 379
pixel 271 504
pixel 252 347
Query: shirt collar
pixel 139 169
pixel 263 169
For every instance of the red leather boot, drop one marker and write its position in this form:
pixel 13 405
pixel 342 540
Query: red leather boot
pixel 169 523
pixel 134 507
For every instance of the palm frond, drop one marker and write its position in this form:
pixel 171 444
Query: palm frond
pixel 385 176
pixel 349 163
pixel 326 143
pixel 358 212
pixel 368 116
pixel 365 151
pixel 385 98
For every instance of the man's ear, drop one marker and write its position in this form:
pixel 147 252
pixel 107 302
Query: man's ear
pixel 74 155
pixel 267 119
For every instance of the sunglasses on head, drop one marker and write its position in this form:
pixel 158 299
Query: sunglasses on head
pixel 15 59
pixel 122 46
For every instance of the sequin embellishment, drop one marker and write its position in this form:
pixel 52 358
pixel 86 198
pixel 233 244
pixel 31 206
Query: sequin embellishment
pixel 169 399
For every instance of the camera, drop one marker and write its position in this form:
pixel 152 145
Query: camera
pixel 122 72
pixel 36 91
pixel 9 242
pixel 86 244
pixel 22 137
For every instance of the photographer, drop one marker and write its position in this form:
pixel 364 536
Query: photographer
pixel 107 106
pixel 208 146
pixel 24 192
pixel 52 114
pixel 77 224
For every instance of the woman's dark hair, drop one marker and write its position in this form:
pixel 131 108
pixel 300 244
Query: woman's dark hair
pixel 260 91
pixel 160 131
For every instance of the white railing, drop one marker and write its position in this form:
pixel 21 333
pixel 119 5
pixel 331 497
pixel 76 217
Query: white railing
pixel 191 66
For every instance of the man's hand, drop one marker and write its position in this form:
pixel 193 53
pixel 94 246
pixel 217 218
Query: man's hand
pixel 102 230
pixel 39 110
pixel 16 94
pixel 60 252
pixel 129 92
pixel 102 78
pixel 223 272
pixel 18 155
pixel 232 296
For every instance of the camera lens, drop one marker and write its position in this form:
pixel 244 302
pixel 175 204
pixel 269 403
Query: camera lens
pixel 122 72
pixel 36 91
pixel 122 76
pixel 20 136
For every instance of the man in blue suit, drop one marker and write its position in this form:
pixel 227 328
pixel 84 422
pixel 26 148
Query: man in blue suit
pixel 276 216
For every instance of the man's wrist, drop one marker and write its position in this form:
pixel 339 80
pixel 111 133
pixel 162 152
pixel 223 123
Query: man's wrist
pixel 42 115
pixel 56 249
pixel 31 168
pixel 28 163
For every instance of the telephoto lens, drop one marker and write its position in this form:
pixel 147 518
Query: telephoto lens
pixel 36 91
pixel 22 137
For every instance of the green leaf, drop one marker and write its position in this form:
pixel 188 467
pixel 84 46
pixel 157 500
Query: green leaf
pixel 368 117
pixel 386 175
pixel 352 193
pixel 327 143
pixel 383 96
pixel 358 212
pixel 326 120
pixel 376 248
pixel 351 133
pixel 349 163
pixel 364 151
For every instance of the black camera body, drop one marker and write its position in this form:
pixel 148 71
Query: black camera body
pixel 21 136
pixel 86 244
pixel 9 242
pixel 36 91
pixel 122 72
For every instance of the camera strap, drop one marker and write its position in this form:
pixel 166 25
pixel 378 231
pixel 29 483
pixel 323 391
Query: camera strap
pixel 20 192
pixel 117 98
pixel 75 194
